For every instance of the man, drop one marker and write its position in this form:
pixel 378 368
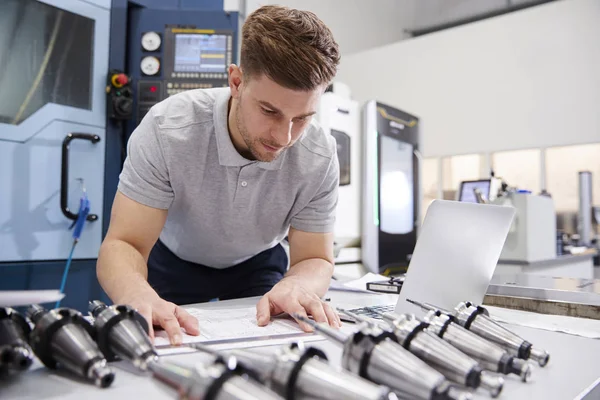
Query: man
pixel 215 179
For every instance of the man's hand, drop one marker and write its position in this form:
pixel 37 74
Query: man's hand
pixel 290 296
pixel 169 316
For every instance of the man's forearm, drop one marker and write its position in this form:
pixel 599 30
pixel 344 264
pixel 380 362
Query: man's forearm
pixel 315 274
pixel 122 272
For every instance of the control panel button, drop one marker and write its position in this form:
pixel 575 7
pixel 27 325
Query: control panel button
pixel 119 80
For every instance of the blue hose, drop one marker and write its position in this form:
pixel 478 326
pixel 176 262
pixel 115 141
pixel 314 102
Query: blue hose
pixel 84 210
pixel 66 272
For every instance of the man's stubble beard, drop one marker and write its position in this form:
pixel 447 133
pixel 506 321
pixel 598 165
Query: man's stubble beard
pixel 250 143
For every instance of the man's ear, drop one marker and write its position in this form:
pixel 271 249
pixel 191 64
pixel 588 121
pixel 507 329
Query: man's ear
pixel 235 80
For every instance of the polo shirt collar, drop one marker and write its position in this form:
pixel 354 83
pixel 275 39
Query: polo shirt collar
pixel 228 155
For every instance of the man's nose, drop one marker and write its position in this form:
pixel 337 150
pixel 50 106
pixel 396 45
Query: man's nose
pixel 283 133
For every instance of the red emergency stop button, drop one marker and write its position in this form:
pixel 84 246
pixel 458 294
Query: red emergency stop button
pixel 119 80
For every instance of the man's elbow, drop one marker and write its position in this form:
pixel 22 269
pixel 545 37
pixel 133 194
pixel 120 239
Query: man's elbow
pixel 102 264
pixel 110 250
pixel 331 266
pixel 328 266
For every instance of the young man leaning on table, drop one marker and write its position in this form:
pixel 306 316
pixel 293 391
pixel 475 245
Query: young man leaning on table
pixel 216 178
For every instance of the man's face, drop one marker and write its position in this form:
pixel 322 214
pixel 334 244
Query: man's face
pixel 271 118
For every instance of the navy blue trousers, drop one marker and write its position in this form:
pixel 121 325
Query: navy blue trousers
pixel 184 282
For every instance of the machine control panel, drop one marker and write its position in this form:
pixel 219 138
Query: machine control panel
pixel 181 58
pixel 199 56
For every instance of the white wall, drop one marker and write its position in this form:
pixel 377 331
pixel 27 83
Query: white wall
pixel 356 24
pixel 522 80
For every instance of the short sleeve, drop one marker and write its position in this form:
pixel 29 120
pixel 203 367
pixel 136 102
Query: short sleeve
pixel 145 176
pixel 319 214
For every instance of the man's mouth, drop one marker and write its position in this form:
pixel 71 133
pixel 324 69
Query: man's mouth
pixel 271 148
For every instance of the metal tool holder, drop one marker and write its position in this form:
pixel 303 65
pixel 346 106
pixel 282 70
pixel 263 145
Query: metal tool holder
pixel 122 333
pixel 477 320
pixel 222 379
pixel 413 335
pixel 489 355
pixel 62 338
pixel 298 372
pixel 374 354
pixel 15 353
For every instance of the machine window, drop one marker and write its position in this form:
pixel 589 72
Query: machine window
pixel 344 155
pixel 397 188
pixel 45 57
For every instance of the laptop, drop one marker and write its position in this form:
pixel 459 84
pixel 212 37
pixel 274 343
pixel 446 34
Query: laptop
pixel 455 256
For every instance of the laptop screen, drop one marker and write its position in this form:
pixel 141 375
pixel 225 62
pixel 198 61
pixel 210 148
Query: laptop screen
pixel 467 190
pixel 456 254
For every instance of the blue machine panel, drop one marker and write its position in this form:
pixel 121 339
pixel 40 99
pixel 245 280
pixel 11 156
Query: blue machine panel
pixel 177 50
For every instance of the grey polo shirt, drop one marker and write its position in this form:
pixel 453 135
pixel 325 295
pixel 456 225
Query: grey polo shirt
pixel 222 207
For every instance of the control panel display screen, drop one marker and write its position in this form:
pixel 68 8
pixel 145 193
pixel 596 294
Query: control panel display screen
pixel 204 53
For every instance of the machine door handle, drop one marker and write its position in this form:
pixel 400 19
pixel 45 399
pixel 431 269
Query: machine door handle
pixel 64 175
pixel 419 186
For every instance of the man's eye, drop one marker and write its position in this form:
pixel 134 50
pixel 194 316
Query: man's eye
pixel 269 112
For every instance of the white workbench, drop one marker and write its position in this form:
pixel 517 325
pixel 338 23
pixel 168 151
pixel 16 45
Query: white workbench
pixel 574 367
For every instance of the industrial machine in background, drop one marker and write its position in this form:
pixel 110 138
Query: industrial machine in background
pixel 53 140
pixel 538 233
pixel 94 69
pixel 339 116
pixel 379 196
pixel 532 235
pixel 392 189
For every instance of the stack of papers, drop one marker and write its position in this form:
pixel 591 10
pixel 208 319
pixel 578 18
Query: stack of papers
pixel 358 285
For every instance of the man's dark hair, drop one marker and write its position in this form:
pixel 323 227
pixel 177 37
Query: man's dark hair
pixel 291 47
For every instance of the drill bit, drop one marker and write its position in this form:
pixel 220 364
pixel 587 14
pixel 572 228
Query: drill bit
pixel 360 318
pixel 428 306
pixel 374 354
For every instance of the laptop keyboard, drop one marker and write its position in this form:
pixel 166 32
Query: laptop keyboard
pixel 374 312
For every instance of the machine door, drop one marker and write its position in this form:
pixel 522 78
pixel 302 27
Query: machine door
pixel 53 63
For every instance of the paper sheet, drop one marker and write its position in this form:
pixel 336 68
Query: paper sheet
pixel 358 285
pixel 339 286
pixel 584 327
pixel 234 325
pixel 14 298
